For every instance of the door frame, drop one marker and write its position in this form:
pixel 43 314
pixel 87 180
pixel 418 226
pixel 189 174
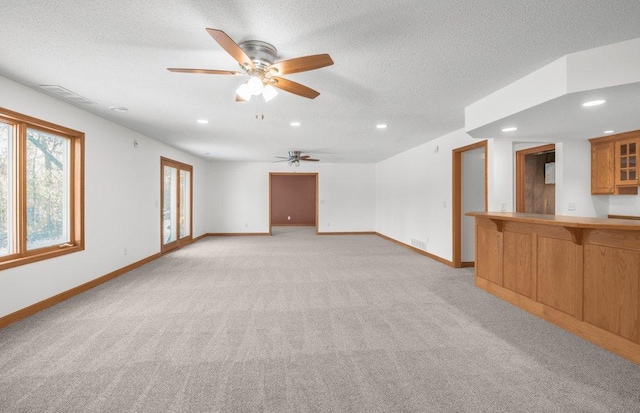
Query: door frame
pixel 457 199
pixel 179 242
pixel 520 171
pixel 272 174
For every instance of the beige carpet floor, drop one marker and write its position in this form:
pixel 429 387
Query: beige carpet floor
pixel 302 323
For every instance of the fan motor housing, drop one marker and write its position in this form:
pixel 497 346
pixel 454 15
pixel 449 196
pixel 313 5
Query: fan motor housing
pixel 262 54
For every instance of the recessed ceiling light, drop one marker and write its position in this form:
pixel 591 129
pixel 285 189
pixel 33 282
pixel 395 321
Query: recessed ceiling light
pixel 609 131
pixel 295 124
pixel 118 108
pixel 381 126
pixel 593 103
pixel 203 121
pixel 510 129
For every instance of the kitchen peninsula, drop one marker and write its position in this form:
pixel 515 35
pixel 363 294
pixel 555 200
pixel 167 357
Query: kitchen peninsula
pixel 582 274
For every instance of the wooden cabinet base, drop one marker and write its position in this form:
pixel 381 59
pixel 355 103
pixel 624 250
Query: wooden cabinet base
pixel 582 274
pixel 602 338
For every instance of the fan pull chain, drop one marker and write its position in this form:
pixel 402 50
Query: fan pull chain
pixel 260 109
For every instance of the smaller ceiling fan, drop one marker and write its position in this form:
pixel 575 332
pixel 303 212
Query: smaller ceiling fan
pixel 295 157
pixel 256 59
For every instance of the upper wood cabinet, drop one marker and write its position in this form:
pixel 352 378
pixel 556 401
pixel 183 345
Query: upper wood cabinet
pixel 614 164
pixel 602 166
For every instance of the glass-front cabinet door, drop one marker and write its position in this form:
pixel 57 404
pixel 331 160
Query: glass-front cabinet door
pixel 176 208
pixel 626 162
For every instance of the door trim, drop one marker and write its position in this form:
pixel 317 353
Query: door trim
pixel 272 174
pixel 520 167
pixel 179 242
pixel 457 198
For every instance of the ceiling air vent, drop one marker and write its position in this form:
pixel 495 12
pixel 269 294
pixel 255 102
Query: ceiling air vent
pixel 67 94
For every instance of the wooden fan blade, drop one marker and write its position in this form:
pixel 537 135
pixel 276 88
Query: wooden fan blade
pixel 304 157
pixel 231 47
pixel 283 157
pixel 301 64
pixel 284 160
pixel 204 71
pixel 310 159
pixel 295 88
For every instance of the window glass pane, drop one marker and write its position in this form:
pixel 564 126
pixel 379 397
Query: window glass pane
pixel 185 204
pixel 170 205
pixel 6 223
pixel 47 189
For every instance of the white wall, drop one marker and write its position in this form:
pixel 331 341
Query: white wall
pixel 501 175
pixel 606 66
pixel 414 192
pixel 543 85
pixel 623 204
pixel 122 193
pixel 573 181
pixel 611 65
pixel 238 196
pixel 414 188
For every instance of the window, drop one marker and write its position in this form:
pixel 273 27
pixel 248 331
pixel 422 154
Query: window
pixel 41 192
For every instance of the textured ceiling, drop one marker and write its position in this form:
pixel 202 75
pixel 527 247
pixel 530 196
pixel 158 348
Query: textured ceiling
pixel 413 64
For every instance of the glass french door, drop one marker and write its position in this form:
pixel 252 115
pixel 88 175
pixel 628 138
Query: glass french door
pixel 176 199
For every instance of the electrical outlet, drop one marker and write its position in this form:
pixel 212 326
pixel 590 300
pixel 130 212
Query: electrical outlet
pixel 126 251
pixel 503 206
pixel 572 206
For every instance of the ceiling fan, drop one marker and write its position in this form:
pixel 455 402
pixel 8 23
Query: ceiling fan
pixel 256 59
pixel 295 157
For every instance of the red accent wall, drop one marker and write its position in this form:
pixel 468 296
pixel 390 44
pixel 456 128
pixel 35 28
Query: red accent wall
pixel 293 196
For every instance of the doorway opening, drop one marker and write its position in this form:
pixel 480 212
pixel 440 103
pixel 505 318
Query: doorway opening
pixel 469 194
pixel 293 200
pixel 535 180
pixel 176 209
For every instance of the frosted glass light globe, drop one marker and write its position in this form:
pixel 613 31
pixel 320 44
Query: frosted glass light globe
pixel 244 92
pixel 269 92
pixel 255 85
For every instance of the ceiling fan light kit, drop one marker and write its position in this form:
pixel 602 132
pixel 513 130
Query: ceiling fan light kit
pixel 269 92
pixel 256 87
pixel 244 91
pixel 256 59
